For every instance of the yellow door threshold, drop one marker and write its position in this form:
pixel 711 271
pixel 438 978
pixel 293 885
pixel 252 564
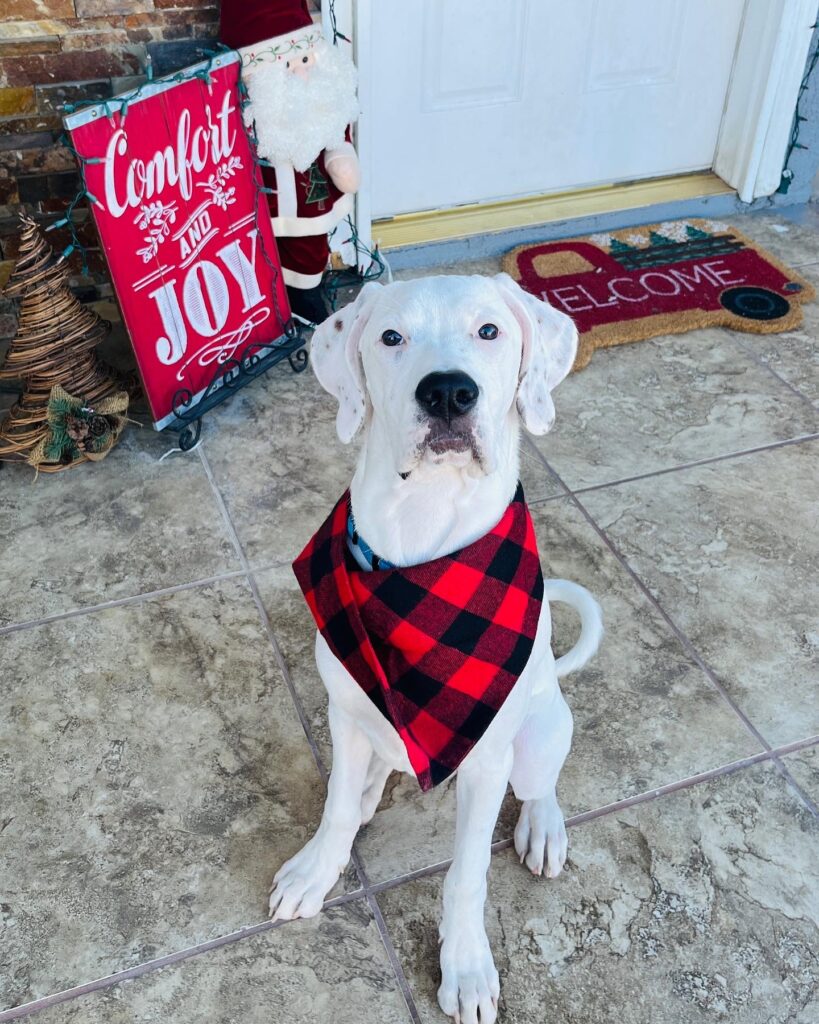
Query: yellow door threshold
pixel 479 218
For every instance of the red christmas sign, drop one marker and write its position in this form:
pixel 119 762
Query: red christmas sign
pixel 197 274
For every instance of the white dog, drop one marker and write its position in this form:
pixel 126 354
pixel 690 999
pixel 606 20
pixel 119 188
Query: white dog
pixel 439 372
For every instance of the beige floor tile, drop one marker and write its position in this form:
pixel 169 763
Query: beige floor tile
pixel 804 767
pixel 791 236
pixel 153 777
pixel 332 968
pixel 795 355
pixel 657 404
pixel 644 714
pixel 117 528
pixel 698 907
pixel 278 462
pixel 729 549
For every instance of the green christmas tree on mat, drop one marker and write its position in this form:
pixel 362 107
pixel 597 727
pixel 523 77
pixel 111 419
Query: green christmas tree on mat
pixel 695 233
pixel 619 246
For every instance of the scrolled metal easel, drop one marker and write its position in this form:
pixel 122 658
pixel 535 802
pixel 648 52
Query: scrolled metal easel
pixel 232 376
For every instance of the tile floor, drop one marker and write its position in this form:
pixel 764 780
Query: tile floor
pixel 163 738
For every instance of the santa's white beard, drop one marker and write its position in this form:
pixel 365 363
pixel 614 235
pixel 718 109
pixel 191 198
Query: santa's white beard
pixel 299 116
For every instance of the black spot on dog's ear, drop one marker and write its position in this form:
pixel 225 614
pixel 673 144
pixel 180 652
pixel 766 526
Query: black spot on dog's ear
pixel 339 325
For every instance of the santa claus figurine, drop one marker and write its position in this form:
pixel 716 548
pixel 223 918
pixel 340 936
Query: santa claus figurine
pixel 302 92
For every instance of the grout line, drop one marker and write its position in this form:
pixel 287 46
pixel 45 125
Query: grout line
pixel 749 351
pixel 687 644
pixel 120 602
pixel 389 948
pixel 675 469
pixel 392 955
pixel 373 889
pixel 369 890
pixel 618 805
pixel 149 966
pixel 794 785
pixel 265 619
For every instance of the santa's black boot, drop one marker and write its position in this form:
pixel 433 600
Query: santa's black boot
pixel 308 303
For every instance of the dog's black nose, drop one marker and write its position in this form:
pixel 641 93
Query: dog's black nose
pixel 447 395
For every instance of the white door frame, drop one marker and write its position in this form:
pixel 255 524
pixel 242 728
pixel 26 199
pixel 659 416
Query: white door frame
pixel 768 68
pixel 762 94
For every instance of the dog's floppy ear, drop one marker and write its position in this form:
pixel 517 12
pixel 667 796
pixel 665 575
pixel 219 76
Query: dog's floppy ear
pixel 337 362
pixel 549 349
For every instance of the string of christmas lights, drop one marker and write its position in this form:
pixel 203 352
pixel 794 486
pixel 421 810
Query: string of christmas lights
pixel 335 279
pixel 798 120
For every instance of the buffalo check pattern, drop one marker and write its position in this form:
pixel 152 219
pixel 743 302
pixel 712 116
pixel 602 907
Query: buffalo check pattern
pixel 437 647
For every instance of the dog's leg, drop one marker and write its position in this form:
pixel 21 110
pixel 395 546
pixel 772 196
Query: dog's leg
pixel 469 981
pixel 541 747
pixel 377 775
pixel 302 883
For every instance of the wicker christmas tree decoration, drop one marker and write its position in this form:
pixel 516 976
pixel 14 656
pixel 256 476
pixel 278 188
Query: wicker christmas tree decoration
pixel 54 345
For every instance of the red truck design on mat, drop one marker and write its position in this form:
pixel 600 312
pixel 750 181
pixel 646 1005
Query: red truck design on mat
pixel 642 283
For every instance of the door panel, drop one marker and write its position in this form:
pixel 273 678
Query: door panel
pixel 475 100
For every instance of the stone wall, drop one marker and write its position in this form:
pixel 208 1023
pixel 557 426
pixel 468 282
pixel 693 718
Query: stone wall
pixel 64 51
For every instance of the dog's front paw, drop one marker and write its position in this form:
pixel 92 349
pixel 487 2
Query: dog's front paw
pixel 302 882
pixel 469 981
pixel 540 836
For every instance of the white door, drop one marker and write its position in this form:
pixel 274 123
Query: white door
pixel 478 100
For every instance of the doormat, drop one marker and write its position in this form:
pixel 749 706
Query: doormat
pixel 661 279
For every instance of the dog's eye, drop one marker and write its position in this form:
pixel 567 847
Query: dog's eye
pixel 391 338
pixel 304 60
pixel 488 332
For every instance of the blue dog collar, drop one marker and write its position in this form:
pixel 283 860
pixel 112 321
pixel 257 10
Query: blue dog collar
pixel 364 549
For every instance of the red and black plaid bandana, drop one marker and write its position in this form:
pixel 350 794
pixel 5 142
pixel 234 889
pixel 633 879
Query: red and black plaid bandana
pixel 437 647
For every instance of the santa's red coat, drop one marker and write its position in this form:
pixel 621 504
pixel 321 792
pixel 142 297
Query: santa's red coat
pixel 304 206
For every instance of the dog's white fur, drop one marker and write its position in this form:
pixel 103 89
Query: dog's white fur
pixel 414 499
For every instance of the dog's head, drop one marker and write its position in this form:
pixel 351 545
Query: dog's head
pixel 446 363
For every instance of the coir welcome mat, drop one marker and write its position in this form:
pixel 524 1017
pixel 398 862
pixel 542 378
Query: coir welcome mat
pixel 661 279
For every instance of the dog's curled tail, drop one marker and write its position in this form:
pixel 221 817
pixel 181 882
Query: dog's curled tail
pixel 591 623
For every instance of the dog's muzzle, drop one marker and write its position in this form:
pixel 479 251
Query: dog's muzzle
pixel 446 396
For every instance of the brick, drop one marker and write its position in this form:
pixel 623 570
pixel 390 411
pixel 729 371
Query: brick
pixel 54 204
pixel 32 140
pixel 33 124
pixel 35 187
pixel 173 25
pixel 98 8
pixel 43 28
pixel 51 98
pixel 196 5
pixel 68 67
pixel 56 158
pixel 32 10
pixel 103 39
pixel 22 47
pixel 8 191
pixel 17 101
pixel 95 261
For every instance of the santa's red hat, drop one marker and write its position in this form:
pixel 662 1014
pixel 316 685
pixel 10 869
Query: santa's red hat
pixel 264 28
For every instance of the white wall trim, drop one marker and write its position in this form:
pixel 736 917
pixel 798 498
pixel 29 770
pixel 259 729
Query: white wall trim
pixel 770 60
pixel 354 19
